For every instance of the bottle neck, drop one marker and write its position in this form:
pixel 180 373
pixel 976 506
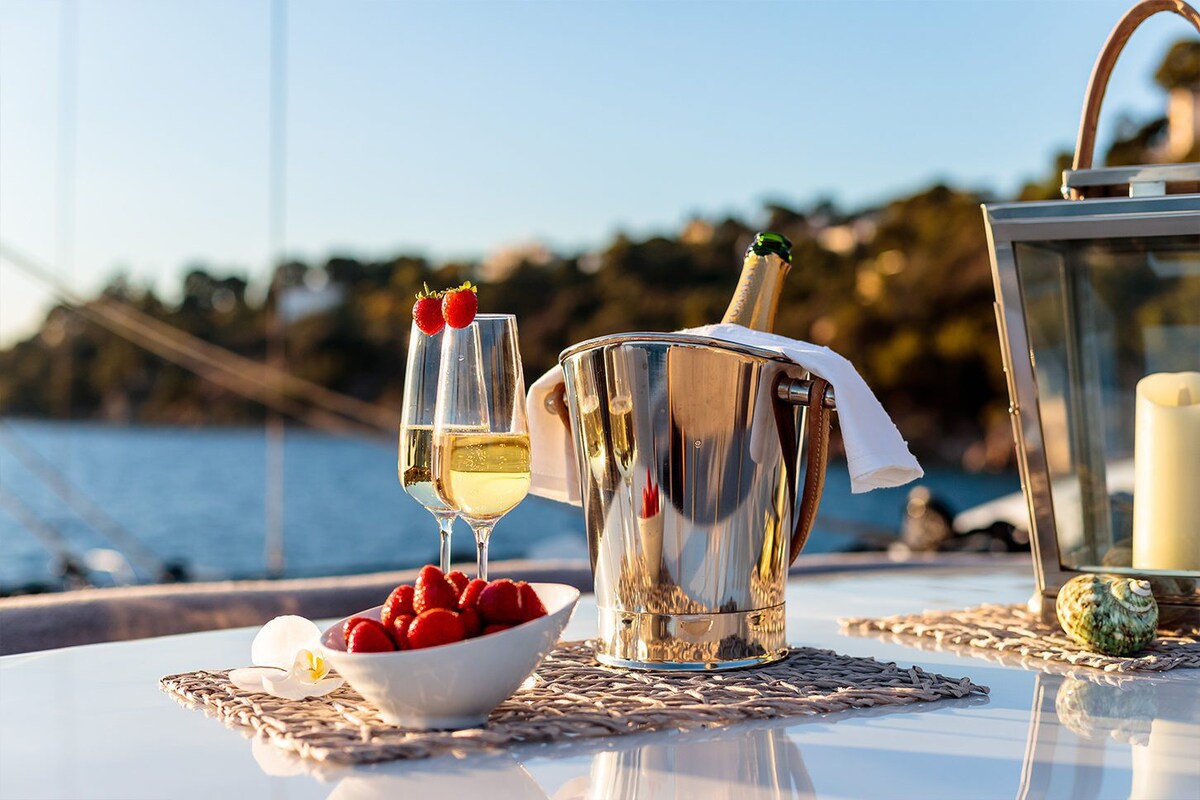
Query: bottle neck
pixel 756 299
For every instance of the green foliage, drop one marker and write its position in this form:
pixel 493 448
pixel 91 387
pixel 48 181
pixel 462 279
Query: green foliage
pixel 904 291
pixel 1181 66
pixel 1142 142
pixel 882 302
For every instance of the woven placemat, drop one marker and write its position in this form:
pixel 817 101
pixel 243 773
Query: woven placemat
pixel 1014 629
pixel 573 697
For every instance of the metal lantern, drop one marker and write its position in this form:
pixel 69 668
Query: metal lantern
pixel 1098 309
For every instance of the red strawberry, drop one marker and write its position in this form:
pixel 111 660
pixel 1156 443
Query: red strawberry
pixel 369 636
pixel 459 305
pixel 435 627
pixel 399 602
pixel 349 626
pixel 459 579
pixel 427 312
pixel 472 624
pixel 496 628
pixel 531 604
pixel 500 602
pixel 433 591
pixel 399 630
pixel 470 596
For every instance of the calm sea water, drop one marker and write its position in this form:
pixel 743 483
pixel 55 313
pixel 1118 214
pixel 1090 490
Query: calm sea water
pixel 196 495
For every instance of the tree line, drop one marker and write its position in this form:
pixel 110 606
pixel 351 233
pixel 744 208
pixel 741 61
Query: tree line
pixel 904 290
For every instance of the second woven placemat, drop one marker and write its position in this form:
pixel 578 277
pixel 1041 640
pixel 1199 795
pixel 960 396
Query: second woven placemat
pixel 573 697
pixel 1014 629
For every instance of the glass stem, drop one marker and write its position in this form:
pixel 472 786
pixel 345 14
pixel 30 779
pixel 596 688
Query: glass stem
pixel 446 527
pixel 482 532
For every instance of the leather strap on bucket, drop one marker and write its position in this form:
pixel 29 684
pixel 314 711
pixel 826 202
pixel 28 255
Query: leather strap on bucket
pixel 817 459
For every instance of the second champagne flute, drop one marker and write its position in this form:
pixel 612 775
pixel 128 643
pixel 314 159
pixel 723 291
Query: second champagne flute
pixel 481 436
pixel 416 433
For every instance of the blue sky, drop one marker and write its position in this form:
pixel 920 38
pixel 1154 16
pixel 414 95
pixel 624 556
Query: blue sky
pixel 453 128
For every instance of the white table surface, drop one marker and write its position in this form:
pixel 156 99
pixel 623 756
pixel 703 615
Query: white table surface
pixel 91 722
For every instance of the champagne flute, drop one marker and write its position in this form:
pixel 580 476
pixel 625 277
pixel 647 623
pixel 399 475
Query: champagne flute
pixel 481 436
pixel 415 464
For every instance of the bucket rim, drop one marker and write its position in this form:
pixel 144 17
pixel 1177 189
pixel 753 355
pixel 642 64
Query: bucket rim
pixel 699 341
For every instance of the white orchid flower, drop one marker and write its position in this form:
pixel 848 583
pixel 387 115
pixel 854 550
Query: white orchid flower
pixel 287 661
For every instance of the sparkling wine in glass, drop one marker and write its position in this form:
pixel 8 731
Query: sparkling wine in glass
pixel 415 464
pixel 481 436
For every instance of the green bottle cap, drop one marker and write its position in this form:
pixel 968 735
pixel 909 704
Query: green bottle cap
pixel 766 242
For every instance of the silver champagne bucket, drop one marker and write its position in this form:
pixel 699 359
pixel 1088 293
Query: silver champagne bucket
pixel 688 453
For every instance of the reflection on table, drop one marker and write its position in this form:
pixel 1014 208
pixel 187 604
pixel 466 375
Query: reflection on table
pixel 1155 717
pixel 725 764
pixel 734 763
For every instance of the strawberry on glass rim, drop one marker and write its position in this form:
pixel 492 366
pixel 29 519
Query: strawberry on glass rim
pixel 427 311
pixel 459 305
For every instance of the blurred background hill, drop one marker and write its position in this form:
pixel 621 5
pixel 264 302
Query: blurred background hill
pixel 902 288
pixel 214 218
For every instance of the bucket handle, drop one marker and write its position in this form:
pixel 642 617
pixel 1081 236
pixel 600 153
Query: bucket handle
pixel 1085 144
pixel 817 395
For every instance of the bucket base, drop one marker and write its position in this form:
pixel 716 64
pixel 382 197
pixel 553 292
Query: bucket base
pixel 691 666
pixel 691 642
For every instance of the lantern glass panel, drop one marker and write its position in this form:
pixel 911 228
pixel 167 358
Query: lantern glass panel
pixel 1102 314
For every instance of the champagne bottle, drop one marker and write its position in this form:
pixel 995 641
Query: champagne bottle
pixel 756 299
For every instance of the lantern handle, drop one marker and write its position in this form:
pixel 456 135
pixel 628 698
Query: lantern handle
pixel 1085 144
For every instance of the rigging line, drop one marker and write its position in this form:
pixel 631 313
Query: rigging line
pixel 269 376
pixel 253 390
pixel 146 328
pixel 273 539
pixel 95 516
pixel 275 379
pixel 213 356
pixel 236 383
pixel 47 535
pixel 239 381
pixel 65 166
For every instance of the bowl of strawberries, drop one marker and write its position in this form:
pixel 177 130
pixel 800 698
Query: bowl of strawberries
pixel 445 651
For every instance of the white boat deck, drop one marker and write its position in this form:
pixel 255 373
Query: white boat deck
pixel 91 722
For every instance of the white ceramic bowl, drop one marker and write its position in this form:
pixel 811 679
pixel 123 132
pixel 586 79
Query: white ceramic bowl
pixel 455 685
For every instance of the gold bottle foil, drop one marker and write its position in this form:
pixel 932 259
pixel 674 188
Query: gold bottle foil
pixel 756 299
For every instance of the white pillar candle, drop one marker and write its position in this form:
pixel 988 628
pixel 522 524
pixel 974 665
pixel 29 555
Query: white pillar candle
pixel 1166 488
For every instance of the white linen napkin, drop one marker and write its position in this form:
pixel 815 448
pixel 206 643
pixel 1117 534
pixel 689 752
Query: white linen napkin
pixel 554 470
pixel 877 457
